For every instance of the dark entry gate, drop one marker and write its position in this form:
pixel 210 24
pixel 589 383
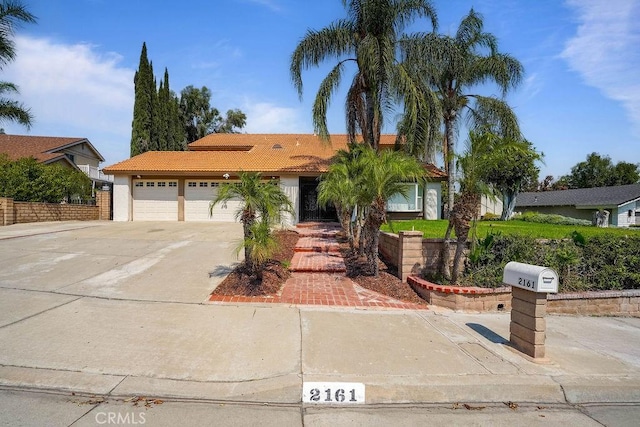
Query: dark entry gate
pixel 310 210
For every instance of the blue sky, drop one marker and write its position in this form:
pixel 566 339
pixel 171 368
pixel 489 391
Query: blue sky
pixel 75 67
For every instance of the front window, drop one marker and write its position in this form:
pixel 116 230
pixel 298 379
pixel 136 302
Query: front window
pixel 411 203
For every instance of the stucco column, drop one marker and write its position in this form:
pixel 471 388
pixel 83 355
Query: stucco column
pixel 410 259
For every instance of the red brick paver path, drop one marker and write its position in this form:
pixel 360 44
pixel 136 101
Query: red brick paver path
pixel 318 277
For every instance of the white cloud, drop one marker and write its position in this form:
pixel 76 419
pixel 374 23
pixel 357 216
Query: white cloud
pixel 605 50
pixel 265 117
pixel 74 88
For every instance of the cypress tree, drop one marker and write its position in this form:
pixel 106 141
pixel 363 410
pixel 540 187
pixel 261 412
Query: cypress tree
pixel 143 105
pixel 155 116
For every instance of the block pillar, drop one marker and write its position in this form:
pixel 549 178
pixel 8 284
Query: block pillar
pixel 528 326
pixel 103 200
pixel 410 257
pixel 8 213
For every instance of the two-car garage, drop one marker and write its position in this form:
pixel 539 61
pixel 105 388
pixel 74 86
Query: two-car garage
pixel 159 200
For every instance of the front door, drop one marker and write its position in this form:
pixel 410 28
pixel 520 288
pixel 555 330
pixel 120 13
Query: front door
pixel 310 210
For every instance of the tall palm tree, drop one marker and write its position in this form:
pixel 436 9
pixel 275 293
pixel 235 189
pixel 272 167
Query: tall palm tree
pixel 12 13
pixel 370 37
pixel 453 66
pixel 262 201
pixel 11 110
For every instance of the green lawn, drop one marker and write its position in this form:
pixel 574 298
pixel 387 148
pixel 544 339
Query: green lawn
pixel 436 229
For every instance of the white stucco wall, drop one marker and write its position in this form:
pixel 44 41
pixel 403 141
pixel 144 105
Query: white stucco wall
pixel 291 187
pixel 122 198
pixel 623 219
pixel 432 200
pixel 490 205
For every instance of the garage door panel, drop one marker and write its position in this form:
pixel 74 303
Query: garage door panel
pixel 155 200
pixel 197 197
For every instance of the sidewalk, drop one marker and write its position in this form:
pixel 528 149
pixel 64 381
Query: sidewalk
pixel 318 277
pixel 98 318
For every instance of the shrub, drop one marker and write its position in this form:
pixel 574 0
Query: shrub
pixel 490 217
pixel 552 219
pixel 599 263
pixel 26 180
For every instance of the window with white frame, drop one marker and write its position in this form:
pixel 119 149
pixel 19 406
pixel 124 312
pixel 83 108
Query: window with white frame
pixel 150 183
pixel 162 184
pixel 173 184
pixel 411 203
pixel 203 184
pixel 139 184
pixel 192 184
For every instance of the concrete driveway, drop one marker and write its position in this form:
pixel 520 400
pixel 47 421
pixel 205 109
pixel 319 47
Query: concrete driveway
pixel 118 310
pixel 152 261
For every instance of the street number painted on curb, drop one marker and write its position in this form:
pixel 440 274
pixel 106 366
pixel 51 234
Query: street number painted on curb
pixel 333 393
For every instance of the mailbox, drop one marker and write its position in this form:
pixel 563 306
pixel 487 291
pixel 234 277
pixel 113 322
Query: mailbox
pixel 530 277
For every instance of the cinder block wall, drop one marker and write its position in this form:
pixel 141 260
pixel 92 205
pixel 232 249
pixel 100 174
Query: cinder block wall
pixel 25 212
pixel 425 262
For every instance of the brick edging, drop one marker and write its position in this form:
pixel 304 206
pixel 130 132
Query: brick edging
pixel 607 303
pixel 447 289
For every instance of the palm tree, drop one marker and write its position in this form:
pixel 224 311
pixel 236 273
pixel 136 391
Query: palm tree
pixel 385 175
pixel 370 37
pixel 452 66
pixel 11 110
pixel 485 150
pixel 12 13
pixel 340 187
pixel 262 201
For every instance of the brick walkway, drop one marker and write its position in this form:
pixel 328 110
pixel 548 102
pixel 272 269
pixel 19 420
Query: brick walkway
pixel 318 277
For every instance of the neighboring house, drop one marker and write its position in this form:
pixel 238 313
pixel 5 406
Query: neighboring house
pixel 622 202
pixel 76 153
pixel 178 185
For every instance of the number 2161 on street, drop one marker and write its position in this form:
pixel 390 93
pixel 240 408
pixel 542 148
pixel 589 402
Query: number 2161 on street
pixel 333 393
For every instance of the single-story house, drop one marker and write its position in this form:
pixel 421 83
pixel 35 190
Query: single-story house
pixel 622 202
pixel 178 185
pixel 76 153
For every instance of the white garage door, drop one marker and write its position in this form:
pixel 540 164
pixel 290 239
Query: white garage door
pixel 198 194
pixel 155 200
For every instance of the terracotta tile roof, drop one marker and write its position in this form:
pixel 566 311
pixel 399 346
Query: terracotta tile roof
pixel 42 148
pixel 229 153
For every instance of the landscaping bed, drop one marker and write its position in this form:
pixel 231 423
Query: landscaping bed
pixel 240 283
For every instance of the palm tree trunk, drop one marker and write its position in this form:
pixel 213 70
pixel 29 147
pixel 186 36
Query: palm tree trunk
pixel 450 161
pixel 445 253
pixel 461 243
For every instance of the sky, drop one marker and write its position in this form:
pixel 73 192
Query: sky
pixel 75 67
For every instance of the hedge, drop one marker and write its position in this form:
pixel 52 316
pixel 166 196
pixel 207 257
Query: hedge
pixel 597 263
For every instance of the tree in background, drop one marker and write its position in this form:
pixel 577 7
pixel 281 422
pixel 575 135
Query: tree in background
pixel 454 65
pixel 510 171
pixel 599 171
pixel 143 106
pixel 200 119
pixel 12 13
pixel 371 38
pixel 162 122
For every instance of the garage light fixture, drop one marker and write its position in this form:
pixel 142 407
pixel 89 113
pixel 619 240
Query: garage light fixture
pixel 226 176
